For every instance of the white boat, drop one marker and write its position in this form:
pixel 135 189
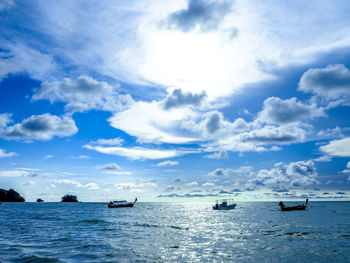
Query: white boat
pixel 224 204
pixel 122 203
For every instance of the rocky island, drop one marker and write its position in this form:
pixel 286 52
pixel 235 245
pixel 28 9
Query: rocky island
pixel 69 198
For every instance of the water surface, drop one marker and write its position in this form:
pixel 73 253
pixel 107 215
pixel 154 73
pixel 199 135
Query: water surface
pixel 173 232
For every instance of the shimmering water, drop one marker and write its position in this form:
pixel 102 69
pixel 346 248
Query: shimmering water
pixel 173 232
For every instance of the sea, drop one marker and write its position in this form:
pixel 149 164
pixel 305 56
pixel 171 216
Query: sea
pixel 174 232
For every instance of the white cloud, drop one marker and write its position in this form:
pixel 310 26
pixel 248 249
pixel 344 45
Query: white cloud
pixel 270 134
pixel 324 158
pixel 119 172
pixel 138 152
pixel 115 141
pixel 28 183
pixel 83 94
pixel 124 186
pixel 278 111
pixel 152 54
pixel 81 157
pixel 180 99
pixel 286 176
pixel 151 123
pixel 40 127
pixel 201 15
pixel 49 156
pixel 217 155
pixel 5 118
pixel 109 166
pixel 17 173
pixel 331 82
pixel 208 184
pixel 337 132
pixel 339 148
pixel 221 172
pixel 21 58
pixel 167 163
pixel 89 186
pixel 4 154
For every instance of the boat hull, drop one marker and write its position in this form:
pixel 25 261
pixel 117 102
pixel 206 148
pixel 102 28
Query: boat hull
pixel 228 207
pixel 120 205
pixel 293 208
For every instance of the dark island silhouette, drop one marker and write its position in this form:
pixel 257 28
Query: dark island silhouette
pixel 39 200
pixel 69 198
pixel 10 196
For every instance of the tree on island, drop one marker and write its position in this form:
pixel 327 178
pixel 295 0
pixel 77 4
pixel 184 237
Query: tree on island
pixel 69 198
pixel 10 196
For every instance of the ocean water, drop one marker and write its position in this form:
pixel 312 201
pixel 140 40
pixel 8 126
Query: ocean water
pixel 174 232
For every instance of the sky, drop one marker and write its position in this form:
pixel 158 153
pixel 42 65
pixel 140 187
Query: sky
pixel 163 100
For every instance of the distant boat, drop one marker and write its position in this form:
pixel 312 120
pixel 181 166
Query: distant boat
pixel 225 204
pixel 291 208
pixel 122 203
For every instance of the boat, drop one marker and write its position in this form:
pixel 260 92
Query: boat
pixel 291 208
pixel 225 204
pixel 121 203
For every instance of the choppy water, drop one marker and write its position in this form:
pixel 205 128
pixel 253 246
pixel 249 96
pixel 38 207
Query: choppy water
pixel 176 232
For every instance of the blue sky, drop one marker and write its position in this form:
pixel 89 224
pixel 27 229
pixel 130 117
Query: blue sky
pixel 175 100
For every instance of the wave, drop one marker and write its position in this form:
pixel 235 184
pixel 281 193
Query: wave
pixel 28 258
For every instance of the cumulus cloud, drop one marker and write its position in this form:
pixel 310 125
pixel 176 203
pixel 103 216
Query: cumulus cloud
pixel 4 154
pixel 40 127
pixel 270 134
pixel 278 111
pixel 221 172
pixel 178 98
pixel 109 166
pixel 83 94
pixel 206 15
pixel 213 122
pixel 340 148
pixel 138 152
pixel 285 176
pixel 167 163
pixel 330 82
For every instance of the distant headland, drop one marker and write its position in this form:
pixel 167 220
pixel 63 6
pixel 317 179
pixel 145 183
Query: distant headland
pixel 10 196
pixel 13 196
